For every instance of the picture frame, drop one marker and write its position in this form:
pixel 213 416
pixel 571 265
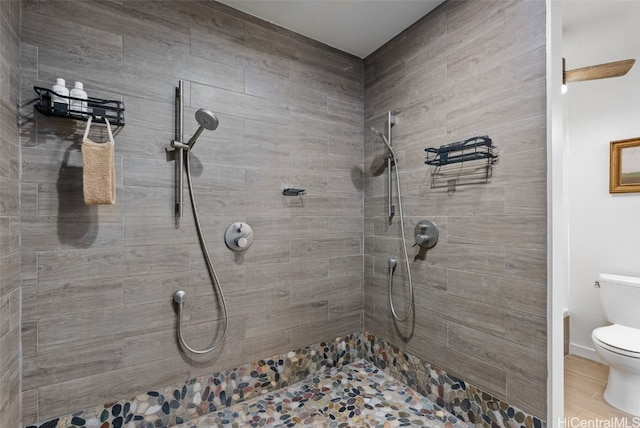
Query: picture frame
pixel 624 166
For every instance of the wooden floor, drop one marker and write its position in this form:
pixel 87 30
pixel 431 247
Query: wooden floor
pixel 584 384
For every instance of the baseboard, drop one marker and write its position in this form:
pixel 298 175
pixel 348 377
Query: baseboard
pixel 584 352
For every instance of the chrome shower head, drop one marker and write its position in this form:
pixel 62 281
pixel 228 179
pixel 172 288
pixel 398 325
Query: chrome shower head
pixel 207 120
pixel 375 131
pixel 386 142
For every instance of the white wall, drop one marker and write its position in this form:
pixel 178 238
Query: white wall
pixel 604 229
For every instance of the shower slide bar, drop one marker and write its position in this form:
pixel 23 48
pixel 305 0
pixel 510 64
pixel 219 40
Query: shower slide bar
pixel 391 158
pixel 179 151
pixel 391 120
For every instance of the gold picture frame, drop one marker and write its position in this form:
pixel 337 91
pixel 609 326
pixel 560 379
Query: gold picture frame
pixel 624 167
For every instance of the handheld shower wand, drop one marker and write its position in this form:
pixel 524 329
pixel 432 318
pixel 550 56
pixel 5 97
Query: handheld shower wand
pixel 386 143
pixel 393 262
pixel 206 120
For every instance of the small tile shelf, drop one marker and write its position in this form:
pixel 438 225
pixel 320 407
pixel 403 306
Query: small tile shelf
pixel 96 107
pixel 475 148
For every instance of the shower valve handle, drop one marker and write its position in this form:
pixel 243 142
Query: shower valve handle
pixel 426 234
pixel 421 240
pixel 238 236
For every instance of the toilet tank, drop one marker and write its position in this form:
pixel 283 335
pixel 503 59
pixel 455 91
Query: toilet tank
pixel 620 298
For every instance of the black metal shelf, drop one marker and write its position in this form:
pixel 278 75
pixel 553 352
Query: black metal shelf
pixel 475 148
pixel 290 191
pixel 97 108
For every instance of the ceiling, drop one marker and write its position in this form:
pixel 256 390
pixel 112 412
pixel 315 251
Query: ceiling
pixel 358 27
pixel 598 31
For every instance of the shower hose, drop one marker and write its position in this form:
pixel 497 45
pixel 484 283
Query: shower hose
pixel 406 255
pixel 212 273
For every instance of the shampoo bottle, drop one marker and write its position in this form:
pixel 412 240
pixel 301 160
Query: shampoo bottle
pixel 78 106
pixel 61 92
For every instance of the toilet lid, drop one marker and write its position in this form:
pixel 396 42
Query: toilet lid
pixel 624 338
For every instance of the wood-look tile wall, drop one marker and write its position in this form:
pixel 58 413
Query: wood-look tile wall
pixel 9 215
pixel 98 318
pixel 469 68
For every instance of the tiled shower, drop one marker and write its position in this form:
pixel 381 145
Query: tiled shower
pixel 97 321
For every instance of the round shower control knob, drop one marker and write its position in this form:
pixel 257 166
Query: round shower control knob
pixel 426 234
pixel 238 236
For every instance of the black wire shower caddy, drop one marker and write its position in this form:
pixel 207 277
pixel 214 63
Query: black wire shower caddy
pixel 475 148
pixel 97 108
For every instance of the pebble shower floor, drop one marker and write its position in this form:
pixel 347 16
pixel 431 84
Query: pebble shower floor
pixel 355 395
pixel 354 381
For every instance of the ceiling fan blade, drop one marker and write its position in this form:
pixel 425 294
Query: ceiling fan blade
pixel 600 71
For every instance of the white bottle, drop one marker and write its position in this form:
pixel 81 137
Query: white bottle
pixel 77 105
pixel 61 90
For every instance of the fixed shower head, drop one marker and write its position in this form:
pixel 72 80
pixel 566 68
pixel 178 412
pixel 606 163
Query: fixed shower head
pixel 207 120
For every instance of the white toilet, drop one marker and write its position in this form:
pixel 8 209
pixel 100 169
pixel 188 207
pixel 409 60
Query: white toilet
pixel 619 344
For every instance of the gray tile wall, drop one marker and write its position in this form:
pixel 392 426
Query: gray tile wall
pixel 98 320
pixel 469 68
pixel 9 215
pixel 98 323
